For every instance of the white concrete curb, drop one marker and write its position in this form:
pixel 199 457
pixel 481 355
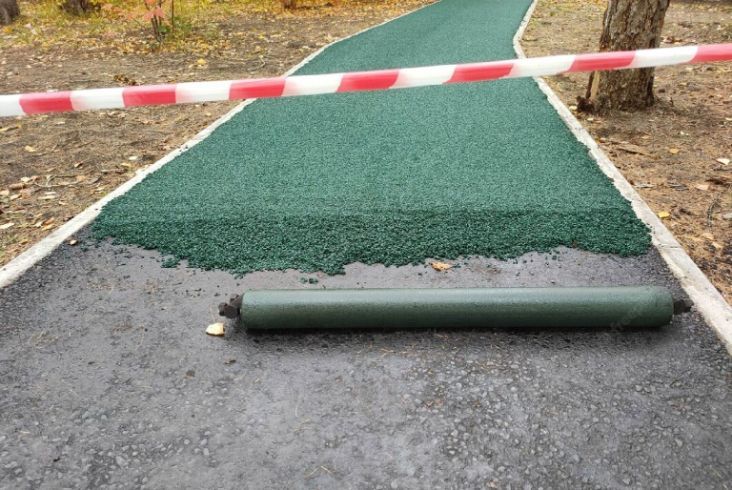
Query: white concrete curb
pixel 11 271
pixel 707 300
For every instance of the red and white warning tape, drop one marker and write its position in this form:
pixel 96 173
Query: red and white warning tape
pixel 196 92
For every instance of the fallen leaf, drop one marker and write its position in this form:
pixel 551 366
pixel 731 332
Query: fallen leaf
pixel 720 179
pixel 73 242
pixel 723 161
pixel 29 149
pixel 633 149
pixel 643 185
pixel 677 186
pixel 702 187
pixel 6 226
pixel 664 214
pixel 727 216
pixel 440 266
pixel 674 151
pixel 216 329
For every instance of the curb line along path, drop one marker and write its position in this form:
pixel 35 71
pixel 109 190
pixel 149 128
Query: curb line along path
pixel 107 379
pixel 708 301
pixel 393 178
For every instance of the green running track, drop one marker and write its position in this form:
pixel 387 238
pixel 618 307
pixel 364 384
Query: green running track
pixel 315 183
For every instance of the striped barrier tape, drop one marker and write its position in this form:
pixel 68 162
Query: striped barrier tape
pixel 197 92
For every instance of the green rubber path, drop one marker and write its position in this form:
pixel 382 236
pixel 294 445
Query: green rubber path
pixel 314 183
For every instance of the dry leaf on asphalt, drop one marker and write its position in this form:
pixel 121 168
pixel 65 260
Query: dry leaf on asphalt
pixel 674 151
pixel 702 187
pixel 664 214
pixel 216 329
pixel 440 266
pixel 723 161
pixel 6 226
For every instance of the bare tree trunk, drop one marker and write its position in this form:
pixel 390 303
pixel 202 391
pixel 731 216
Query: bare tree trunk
pixel 9 10
pixel 78 7
pixel 627 25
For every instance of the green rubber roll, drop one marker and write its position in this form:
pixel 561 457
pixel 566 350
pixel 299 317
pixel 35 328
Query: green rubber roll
pixel 644 306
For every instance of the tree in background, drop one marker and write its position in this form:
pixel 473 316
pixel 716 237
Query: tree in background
pixel 9 10
pixel 78 7
pixel 627 25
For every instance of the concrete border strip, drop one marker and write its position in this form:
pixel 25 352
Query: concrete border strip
pixel 707 299
pixel 11 271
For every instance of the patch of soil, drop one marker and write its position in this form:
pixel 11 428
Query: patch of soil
pixel 54 166
pixel 675 154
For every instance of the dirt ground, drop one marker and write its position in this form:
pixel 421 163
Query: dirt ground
pixel 54 166
pixel 676 153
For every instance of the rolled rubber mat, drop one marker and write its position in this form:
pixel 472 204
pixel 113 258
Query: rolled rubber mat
pixel 287 309
pixel 314 183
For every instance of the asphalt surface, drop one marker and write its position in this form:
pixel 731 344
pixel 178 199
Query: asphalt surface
pixel 108 380
pixel 315 183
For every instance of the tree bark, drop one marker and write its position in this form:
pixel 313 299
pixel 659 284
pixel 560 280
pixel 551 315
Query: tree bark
pixel 627 25
pixel 9 10
pixel 78 7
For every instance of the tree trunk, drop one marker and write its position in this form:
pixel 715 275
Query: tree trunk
pixel 9 10
pixel 78 7
pixel 627 25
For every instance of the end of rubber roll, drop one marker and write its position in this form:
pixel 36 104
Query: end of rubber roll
pixel 682 305
pixel 231 309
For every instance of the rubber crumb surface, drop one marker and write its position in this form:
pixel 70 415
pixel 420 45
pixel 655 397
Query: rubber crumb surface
pixel 315 183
